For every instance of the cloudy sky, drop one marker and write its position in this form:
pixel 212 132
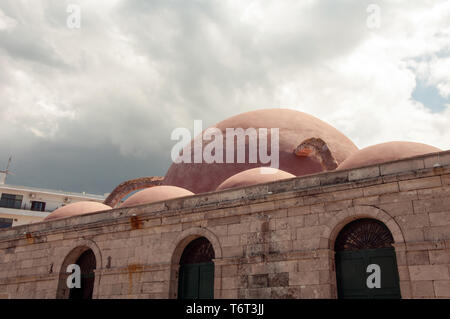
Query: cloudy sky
pixel 83 109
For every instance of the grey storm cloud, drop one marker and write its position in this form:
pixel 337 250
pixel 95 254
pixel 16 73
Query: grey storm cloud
pixel 85 109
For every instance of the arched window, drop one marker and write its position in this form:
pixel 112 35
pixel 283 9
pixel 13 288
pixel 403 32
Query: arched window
pixel 365 233
pixel 196 279
pixel 366 265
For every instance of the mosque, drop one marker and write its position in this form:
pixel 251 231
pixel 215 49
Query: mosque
pixel 332 221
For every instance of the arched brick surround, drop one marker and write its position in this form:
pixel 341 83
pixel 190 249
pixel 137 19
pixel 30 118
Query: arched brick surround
pixel 127 187
pixel 341 219
pixel 178 246
pixel 336 224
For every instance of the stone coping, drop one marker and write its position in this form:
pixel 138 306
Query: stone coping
pixel 404 169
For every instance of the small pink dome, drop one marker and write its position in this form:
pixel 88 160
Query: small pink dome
pixel 386 152
pixel 254 176
pixel 78 208
pixel 155 194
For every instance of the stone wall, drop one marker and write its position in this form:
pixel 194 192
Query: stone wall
pixel 272 240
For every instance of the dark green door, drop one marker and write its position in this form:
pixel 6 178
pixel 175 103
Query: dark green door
pixel 196 281
pixel 367 273
pixel 366 265
pixel 87 264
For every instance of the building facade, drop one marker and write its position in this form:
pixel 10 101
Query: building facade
pixel 21 205
pixel 381 230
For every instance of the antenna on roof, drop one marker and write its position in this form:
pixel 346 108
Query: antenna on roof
pixel 6 172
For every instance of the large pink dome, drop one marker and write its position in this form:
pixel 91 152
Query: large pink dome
pixel 78 208
pixel 386 152
pixel 155 194
pixel 254 176
pixel 294 128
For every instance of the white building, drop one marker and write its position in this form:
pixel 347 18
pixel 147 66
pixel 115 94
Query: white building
pixel 24 205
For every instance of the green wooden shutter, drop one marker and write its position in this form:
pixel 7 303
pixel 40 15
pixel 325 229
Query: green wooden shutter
pixel 188 282
pixel 206 281
pixel 196 281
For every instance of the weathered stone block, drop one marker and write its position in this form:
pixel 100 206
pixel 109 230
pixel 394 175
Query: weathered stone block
pixel 396 209
pixel 325 276
pixel 307 182
pixel 232 251
pixel 316 291
pixel 280 235
pixel 306 244
pixel 442 288
pixel 412 221
pixel 230 283
pixel 233 240
pixel 317 208
pixel 285 293
pixel 276 214
pixel 281 186
pixel 423 288
pixel 363 173
pixel 304 278
pixel 445 179
pixel 335 177
pixel 440 159
pixel 436 233
pixel 278 279
pixel 403 273
pixel 436 192
pixel 339 205
pixel 431 205
pixel 219 230
pixel 440 219
pixel 401 166
pixel 154 287
pixel 280 246
pixel 319 198
pixel 188 218
pixel 420 183
pixel 293 221
pixel 310 232
pixel 398 197
pixel 381 189
pixel 258 281
pixel 229 270
pixel 414 235
pixel 441 256
pixel 262 207
pixel 417 257
pixel 299 210
pixel 224 221
pixel 237 229
pixel 229 294
pixel 369 200
pixel 429 272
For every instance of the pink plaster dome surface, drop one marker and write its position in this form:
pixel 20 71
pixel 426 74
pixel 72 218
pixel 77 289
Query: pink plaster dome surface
pixel 385 152
pixel 294 128
pixel 254 176
pixel 155 194
pixel 78 208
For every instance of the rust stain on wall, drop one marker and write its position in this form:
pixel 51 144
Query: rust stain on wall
pixel 438 170
pixel 135 222
pixel 131 269
pixel 30 238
